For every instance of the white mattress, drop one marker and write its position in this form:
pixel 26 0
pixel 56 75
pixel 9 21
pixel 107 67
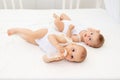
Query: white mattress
pixel 21 60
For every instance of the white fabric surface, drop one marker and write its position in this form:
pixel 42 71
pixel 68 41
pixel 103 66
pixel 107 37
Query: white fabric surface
pixel 21 60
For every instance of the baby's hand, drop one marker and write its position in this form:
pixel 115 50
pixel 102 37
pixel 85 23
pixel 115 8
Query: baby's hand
pixel 60 49
pixel 46 59
pixel 59 57
pixel 52 59
pixel 71 26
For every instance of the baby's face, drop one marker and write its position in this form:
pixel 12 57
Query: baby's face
pixel 75 53
pixel 91 37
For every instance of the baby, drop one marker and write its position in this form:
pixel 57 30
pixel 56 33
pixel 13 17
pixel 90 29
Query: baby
pixel 51 43
pixel 90 36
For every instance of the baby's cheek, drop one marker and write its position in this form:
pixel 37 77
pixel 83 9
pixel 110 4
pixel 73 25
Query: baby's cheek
pixel 68 57
pixel 86 42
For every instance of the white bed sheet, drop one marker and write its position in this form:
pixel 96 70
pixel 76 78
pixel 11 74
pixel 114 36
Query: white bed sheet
pixel 21 60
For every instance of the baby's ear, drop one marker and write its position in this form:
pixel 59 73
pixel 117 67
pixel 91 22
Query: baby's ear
pixel 98 31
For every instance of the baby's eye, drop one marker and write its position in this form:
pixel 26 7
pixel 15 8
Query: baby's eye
pixel 73 50
pixel 89 38
pixel 71 56
pixel 91 33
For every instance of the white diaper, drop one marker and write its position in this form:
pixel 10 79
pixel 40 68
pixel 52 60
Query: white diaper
pixel 44 43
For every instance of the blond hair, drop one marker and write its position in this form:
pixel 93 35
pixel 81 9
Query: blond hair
pixel 83 55
pixel 100 41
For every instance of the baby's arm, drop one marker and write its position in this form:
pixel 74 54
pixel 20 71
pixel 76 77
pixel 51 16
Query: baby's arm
pixel 69 31
pixel 75 38
pixel 55 40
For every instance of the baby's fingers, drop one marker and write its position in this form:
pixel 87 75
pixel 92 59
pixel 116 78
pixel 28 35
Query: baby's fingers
pixel 45 59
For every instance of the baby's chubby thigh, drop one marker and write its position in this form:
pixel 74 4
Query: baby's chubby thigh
pixel 38 34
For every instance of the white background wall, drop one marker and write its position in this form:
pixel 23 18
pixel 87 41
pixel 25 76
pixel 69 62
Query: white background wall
pixel 47 4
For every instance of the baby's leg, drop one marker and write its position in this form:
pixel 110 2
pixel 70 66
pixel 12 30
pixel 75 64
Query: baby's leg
pixel 61 38
pixel 55 40
pixel 58 38
pixel 55 16
pixel 58 21
pixel 59 24
pixel 28 35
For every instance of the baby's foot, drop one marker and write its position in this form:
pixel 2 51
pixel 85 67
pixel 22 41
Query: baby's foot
pixel 11 32
pixel 55 16
pixel 63 16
